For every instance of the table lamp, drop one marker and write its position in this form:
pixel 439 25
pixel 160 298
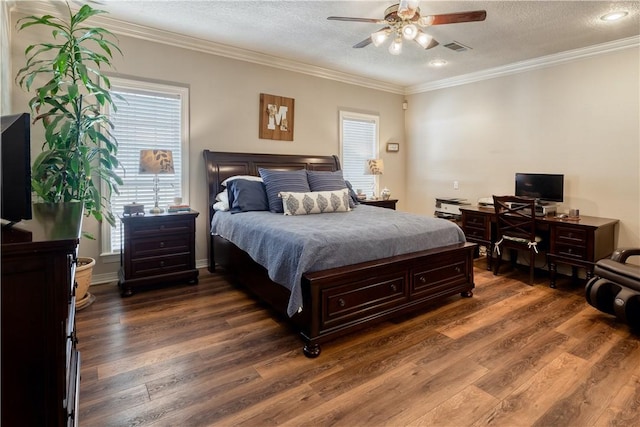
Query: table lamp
pixel 374 167
pixel 156 162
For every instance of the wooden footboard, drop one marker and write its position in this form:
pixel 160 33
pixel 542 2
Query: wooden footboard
pixel 341 300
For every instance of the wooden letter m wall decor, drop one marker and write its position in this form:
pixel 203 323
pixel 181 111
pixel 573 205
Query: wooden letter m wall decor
pixel 276 117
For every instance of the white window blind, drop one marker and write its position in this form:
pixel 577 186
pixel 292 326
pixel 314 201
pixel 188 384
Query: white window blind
pixel 149 116
pixel 359 142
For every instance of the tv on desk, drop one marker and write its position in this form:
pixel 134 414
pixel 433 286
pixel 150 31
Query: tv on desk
pixel 16 168
pixel 542 187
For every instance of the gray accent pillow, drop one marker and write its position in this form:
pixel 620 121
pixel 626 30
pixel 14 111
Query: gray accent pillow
pixel 327 181
pixel 276 181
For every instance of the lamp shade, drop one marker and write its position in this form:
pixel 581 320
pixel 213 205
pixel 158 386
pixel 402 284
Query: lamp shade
pixel 374 167
pixel 156 161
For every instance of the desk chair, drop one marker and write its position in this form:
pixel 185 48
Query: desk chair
pixel 516 229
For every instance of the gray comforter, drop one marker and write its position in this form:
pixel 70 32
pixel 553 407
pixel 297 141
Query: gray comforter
pixel 288 246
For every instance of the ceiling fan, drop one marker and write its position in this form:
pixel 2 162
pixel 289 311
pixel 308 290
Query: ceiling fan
pixel 403 21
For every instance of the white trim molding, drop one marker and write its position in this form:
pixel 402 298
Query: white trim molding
pixel 196 44
pixel 528 65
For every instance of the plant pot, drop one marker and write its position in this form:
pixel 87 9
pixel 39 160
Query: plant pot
pixel 84 271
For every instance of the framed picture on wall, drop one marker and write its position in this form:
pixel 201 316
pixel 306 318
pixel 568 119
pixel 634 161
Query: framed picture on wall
pixel 393 147
pixel 276 117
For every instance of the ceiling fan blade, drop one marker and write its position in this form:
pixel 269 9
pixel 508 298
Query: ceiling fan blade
pixel 345 18
pixel 454 18
pixel 363 43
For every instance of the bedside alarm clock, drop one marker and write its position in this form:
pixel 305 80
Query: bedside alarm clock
pixel 133 209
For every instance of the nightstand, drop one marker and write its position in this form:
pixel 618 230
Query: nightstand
pixel 157 249
pixel 389 204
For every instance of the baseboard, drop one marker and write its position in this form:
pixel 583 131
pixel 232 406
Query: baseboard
pixel 100 279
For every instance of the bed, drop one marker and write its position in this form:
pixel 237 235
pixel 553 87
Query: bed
pixel 334 300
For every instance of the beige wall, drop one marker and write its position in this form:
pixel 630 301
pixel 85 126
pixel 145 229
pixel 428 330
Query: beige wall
pixel 581 119
pixel 225 97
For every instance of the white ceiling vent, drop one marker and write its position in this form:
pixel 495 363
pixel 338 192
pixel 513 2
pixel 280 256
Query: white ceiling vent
pixel 458 47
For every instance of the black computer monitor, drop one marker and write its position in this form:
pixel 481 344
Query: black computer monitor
pixel 542 187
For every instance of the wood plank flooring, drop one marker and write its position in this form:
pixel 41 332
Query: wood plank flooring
pixel 209 355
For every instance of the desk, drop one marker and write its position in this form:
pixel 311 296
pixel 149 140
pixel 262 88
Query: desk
pixel 579 243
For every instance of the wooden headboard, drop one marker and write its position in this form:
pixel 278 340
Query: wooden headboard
pixel 221 165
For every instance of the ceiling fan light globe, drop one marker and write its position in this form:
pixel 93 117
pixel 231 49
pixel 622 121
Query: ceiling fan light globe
pixel 425 21
pixel 409 31
pixel 379 37
pixel 423 39
pixel 395 48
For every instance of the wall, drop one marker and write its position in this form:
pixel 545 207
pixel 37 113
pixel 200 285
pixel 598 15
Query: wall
pixel 581 119
pixel 225 96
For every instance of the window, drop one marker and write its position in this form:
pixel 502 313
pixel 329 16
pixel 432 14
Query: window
pixel 151 116
pixel 359 142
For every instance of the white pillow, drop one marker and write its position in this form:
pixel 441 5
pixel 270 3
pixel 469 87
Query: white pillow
pixel 315 202
pixel 221 206
pixel 247 177
pixel 222 203
pixel 222 196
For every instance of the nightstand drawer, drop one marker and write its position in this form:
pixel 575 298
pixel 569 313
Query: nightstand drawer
pixel 168 244
pixel 162 226
pixel 571 236
pixel 145 267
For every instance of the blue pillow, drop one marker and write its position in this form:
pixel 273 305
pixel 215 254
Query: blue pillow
pixel 245 196
pixel 352 193
pixel 328 181
pixel 276 181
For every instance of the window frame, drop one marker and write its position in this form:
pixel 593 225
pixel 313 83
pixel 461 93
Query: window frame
pixel 365 117
pixel 109 254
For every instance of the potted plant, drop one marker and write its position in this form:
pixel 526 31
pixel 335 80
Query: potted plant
pixel 79 150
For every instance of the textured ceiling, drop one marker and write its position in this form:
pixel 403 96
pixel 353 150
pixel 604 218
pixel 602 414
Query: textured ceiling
pixel 513 31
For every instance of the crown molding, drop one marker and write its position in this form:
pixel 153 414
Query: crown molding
pixel 528 65
pixel 128 29
pixel 142 32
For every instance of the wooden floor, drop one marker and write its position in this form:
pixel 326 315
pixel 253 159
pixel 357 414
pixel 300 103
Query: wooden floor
pixel 513 355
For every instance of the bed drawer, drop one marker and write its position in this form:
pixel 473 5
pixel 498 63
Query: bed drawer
pixel 439 276
pixel 360 299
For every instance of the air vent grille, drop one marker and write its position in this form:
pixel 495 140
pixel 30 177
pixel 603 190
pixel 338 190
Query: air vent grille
pixel 458 47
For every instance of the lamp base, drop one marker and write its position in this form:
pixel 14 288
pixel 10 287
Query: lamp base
pixel 156 210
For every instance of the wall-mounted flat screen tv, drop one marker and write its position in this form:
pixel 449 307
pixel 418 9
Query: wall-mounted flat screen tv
pixel 542 187
pixel 16 167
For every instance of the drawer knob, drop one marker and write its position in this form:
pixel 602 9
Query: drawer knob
pixel 341 302
pixel 162 227
pixel 423 279
pixel 162 244
pixel 161 263
pixel 458 269
pixel 394 288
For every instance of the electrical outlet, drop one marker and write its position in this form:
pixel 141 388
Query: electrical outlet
pixel 455 185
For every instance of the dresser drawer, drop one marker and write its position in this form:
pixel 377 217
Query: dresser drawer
pixel 571 236
pixel 161 226
pixel 358 300
pixel 475 225
pixel 165 244
pixel 570 251
pixel 157 266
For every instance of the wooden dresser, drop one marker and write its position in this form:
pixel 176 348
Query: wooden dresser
pixel 157 249
pixel 40 363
